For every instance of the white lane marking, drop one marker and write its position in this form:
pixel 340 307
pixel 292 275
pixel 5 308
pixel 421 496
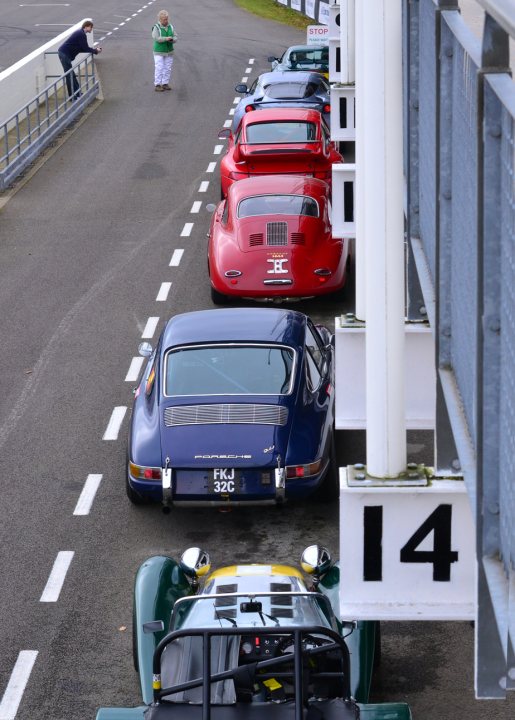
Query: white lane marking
pixel 45 5
pixel 87 495
pixel 17 684
pixel 248 71
pixel 162 295
pixel 116 28
pixel 251 61
pixel 211 167
pixel 195 208
pixel 218 149
pixel 244 79
pixel 227 123
pixel 136 13
pixel 122 24
pixel 52 25
pixel 127 19
pixel 135 368
pixel 100 39
pixel 231 111
pixel 236 101
pixel 204 186
pixel 109 33
pixel 115 423
pixel 176 257
pixel 186 230
pixel 57 576
pixel 150 328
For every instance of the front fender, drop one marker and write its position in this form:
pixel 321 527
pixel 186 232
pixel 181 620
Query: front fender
pixel 159 583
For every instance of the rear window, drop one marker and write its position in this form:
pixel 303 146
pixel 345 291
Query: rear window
pixel 291 90
pixel 278 205
pixel 229 370
pixel 281 132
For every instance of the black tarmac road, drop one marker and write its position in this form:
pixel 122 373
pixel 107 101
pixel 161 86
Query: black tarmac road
pixel 86 247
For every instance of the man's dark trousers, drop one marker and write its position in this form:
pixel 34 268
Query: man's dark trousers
pixel 72 83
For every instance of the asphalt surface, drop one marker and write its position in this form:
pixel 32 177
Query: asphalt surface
pixel 85 246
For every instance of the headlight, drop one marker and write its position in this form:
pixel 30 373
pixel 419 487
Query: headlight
pixel 141 472
pixel 301 471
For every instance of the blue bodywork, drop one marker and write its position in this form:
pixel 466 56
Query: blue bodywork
pixel 251 453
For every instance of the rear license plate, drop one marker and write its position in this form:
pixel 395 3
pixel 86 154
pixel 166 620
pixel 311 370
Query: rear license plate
pixel 222 481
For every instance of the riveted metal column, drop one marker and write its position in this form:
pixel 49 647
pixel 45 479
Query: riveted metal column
pixel 384 240
pixel 491 648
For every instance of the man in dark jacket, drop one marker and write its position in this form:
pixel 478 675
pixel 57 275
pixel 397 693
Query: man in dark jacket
pixel 75 44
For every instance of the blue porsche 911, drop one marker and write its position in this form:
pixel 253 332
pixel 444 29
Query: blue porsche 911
pixel 235 407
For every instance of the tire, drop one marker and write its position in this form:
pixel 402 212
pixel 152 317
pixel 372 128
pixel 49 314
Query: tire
pixel 218 298
pixel 330 487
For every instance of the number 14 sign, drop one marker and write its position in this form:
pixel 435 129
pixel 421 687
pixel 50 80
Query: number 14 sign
pixel 406 553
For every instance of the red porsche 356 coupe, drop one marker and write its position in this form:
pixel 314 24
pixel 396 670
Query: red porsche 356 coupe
pixel 271 239
pixel 279 141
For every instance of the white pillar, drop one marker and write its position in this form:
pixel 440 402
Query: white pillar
pixel 381 135
pixel 359 189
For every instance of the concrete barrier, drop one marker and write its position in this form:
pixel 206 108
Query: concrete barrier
pixel 22 81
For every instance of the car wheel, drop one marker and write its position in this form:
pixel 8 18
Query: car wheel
pixel 134 497
pixel 218 298
pixel 135 659
pixel 330 487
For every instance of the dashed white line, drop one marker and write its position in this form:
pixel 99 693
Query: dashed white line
pixel 244 79
pixel 150 328
pixel 87 495
pixel 248 71
pixel 231 111
pixel 116 28
pixel 203 186
pixel 186 230
pixel 17 684
pixel 251 61
pixel 127 19
pixel 211 167
pixel 218 149
pixel 176 257
pixel 236 100
pixel 57 576
pixel 227 123
pixel 195 208
pixel 162 295
pixel 115 423
pixel 135 368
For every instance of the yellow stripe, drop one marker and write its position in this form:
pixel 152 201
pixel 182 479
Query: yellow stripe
pixel 232 570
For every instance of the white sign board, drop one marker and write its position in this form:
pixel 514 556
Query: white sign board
pixel 406 553
pixel 296 5
pixel 323 13
pixel 317 35
pixel 310 8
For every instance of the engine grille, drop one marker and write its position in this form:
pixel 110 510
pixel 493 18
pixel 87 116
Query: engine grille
pixel 297 238
pixel 255 239
pixel 239 414
pixel 276 233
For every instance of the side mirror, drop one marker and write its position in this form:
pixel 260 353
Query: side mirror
pixel 272 58
pixel 316 560
pixel 153 626
pixel 195 563
pixel 224 133
pixel 145 349
pixel 242 88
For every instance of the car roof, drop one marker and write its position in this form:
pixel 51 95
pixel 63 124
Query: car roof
pixel 273 325
pixel 271 114
pixel 277 185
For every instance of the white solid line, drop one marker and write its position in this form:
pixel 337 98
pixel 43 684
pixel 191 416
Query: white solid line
pixel 87 495
pixel 248 71
pixel 17 684
pixel 162 295
pixel 204 186
pixel 150 328
pixel 231 111
pixel 218 149
pixel 113 427
pixel 196 206
pixel 211 167
pixel 244 79
pixel 135 368
pixel 57 576
pixel 176 257
pixel 227 123
pixel 186 230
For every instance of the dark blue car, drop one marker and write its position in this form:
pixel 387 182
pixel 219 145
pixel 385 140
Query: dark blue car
pixel 284 89
pixel 235 407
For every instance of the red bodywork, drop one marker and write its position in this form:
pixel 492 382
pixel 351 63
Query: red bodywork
pixel 272 256
pixel 246 157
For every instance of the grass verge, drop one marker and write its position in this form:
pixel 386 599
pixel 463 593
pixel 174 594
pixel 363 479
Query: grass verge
pixel 272 10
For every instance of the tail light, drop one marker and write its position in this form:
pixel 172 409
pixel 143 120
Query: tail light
pixel 326 108
pixel 296 472
pixel 141 472
pixel 248 108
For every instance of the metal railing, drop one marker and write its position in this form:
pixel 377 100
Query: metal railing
pixel 25 134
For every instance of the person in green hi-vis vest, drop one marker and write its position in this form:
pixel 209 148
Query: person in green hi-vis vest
pixel 164 39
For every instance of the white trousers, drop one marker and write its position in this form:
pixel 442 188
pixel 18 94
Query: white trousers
pixel 163 69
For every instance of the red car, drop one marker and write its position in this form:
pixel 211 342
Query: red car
pixel 271 238
pixel 283 140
